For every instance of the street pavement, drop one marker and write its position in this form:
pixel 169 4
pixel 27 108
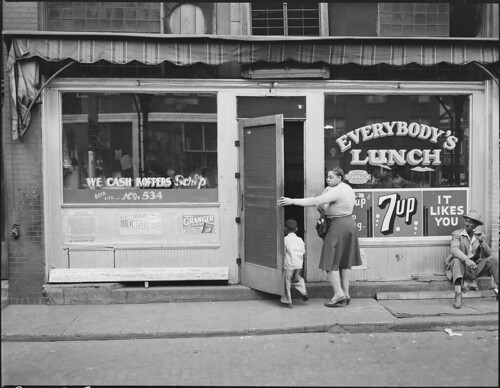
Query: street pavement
pixel 35 323
pixel 402 359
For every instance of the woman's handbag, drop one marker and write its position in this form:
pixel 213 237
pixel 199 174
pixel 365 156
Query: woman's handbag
pixel 322 225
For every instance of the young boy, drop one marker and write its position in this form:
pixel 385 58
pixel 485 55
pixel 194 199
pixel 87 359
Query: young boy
pixel 295 250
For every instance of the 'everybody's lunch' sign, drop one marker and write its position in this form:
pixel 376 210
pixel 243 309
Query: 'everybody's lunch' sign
pixel 414 157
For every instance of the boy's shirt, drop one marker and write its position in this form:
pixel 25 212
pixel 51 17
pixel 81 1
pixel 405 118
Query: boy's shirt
pixel 294 252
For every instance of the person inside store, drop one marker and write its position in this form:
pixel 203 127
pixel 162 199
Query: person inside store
pixel 171 175
pixel 397 180
pixel 340 249
pixel 470 257
pixel 295 250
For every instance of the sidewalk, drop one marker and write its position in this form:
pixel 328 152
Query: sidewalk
pixel 243 318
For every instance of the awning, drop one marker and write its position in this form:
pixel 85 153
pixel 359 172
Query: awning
pixel 214 50
pixel 27 47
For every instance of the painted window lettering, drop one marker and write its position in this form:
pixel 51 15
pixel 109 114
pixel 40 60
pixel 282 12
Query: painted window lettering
pixel 392 157
pixel 376 130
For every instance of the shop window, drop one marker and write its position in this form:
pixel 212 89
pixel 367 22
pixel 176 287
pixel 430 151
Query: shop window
pixel 420 99
pixel 373 120
pixel 288 19
pixel 421 120
pixel 398 144
pixel 376 99
pixel 127 147
pixel 335 127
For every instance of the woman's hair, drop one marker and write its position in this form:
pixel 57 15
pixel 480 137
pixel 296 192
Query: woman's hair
pixel 339 172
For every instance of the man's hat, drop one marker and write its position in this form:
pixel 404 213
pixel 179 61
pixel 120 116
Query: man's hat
pixel 474 216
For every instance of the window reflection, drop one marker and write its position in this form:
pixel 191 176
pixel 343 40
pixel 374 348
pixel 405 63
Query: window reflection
pixel 139 141
pixel 402 141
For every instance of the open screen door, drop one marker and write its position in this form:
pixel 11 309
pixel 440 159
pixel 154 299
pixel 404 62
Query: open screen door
pixel 261 184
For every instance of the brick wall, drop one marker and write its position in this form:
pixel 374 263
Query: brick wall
pixel 23 183
pixel 20 15
pixel 24 206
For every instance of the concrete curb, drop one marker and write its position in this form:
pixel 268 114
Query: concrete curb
pixel 419 295
pixel 421 324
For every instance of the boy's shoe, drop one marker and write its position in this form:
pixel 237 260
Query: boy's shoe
pixel 305 298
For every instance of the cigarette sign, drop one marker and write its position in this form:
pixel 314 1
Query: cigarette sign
pixel 358 177
pixel 198 223
pixel 147 223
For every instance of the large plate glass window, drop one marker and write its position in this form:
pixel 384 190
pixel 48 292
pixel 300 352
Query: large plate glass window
pixel 407 156
pixel 139 148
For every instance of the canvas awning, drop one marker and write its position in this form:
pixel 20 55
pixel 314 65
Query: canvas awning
pixel 154 49
pixel 29 47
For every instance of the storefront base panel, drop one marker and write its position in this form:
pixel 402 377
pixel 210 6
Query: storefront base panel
pixel 390 263
pixel 158 257
pixel 401 262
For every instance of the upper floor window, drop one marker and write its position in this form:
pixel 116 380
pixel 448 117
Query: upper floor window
pixel 188 18
pixel 285 19
pixel 292 18
pixel 440 19
pixel 103 16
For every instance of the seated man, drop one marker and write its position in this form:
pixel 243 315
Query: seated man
pixel 470 256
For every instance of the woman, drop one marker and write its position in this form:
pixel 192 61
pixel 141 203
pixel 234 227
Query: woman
pixel 340 247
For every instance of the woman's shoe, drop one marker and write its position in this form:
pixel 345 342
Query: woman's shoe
pixel 336 302
pixel 347 300
pixel 458 300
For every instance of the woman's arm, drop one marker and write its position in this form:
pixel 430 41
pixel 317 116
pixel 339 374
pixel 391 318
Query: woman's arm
pixel 329 196
pixel 304 202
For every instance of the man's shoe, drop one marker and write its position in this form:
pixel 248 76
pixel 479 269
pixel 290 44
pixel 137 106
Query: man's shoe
pixel 473 285
pixel 458 300
pixel 469 285
pixel 305 298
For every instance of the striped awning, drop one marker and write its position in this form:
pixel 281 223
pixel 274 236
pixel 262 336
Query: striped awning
pixel 213 50
pixel 27 48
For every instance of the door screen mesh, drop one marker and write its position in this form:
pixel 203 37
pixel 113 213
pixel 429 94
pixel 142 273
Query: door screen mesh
pixel 259 205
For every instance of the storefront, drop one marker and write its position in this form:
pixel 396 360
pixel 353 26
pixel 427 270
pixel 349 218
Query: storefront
pixel 172 179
